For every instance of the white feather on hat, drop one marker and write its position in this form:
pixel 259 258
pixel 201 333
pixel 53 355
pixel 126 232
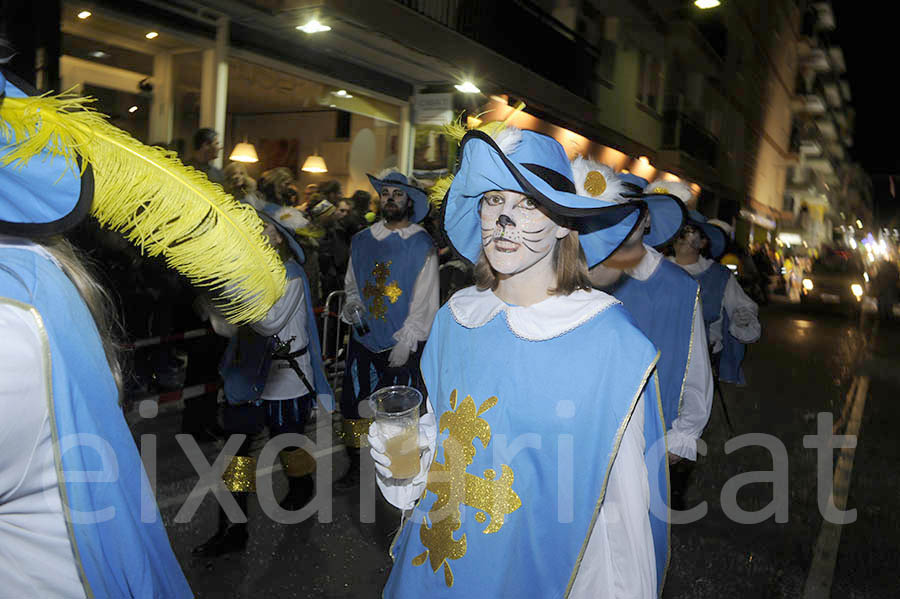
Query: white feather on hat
pixel 596 180
pixel 385 172
pixel 508 139
pixel 680 190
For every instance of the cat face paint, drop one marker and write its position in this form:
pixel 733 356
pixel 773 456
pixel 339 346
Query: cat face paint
pixel 515 233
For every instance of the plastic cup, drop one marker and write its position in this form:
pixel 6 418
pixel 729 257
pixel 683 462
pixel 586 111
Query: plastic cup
pixel 397 414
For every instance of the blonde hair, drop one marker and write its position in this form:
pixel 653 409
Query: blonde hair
pixel 98 300
pixel 569 263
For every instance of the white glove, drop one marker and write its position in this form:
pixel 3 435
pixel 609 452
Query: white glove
pixel 403 493
pixel 743 317
pixel 399 355
pixel 350 309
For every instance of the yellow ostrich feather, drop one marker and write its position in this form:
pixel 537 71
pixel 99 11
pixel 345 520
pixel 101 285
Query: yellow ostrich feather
pixel 155 201
pixel 439 190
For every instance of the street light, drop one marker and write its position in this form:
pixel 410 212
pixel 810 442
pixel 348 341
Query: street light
pixel 85 14
pixel 313 27
pixel 704 4
pixel 467 87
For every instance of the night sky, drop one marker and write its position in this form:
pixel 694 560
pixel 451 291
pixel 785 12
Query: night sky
pixel 870 39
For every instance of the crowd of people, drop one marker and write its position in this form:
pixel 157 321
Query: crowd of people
pixel 537 302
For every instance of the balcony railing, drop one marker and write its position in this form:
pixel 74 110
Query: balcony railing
pixel 522 32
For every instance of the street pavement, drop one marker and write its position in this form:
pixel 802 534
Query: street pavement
pixel 804 364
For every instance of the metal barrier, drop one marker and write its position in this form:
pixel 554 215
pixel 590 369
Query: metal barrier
pixel 335 334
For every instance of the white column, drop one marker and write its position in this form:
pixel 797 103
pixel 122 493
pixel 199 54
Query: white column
pixel 214 84
pixel 163 107
pixel 407 137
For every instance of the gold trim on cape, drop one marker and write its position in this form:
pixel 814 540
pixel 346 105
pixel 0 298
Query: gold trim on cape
pixel 665 573
pixel 619 434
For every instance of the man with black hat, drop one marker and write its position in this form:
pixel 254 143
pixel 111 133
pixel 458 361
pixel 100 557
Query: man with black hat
pixel 392 288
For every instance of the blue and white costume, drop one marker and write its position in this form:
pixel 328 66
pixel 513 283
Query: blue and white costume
pixel 101 533
pixel 546 415
pixel 393 274
pixel 666 306
pixel 731 317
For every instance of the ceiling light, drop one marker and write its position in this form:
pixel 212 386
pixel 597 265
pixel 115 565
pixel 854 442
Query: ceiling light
pixel 133 109
pixel 342 93
pixel 98 54
pixel 151 35
pixel 467 87
pixel 313 27
pixel 315 164
pixel 84 14
pixel 704 4
pixel 244 152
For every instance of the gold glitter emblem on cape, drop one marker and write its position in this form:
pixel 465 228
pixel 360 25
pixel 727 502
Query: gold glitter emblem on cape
pixel 378 290
pixel 454 486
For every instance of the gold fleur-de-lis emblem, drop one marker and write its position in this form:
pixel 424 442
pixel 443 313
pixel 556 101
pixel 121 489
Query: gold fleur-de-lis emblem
pixel 493 497
pixel 595 183
pixel 660 189
pixel 379 289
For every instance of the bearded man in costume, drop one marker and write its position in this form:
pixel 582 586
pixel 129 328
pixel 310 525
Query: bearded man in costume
pixel 393 287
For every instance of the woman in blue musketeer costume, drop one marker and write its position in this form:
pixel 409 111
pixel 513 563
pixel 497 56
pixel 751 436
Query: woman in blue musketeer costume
pixel 538 477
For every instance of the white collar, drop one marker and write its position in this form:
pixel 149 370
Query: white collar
pixel 697 267
pixel 22 243
pixel 380 231
pixel 552 317
pixel 644 269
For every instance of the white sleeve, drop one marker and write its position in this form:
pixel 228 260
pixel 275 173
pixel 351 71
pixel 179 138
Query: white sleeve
pixel 696 402
pixel 23 401
pixel 423 305
pixel 350 288
pixel 737 301
pixel 619 561
pixel 290 305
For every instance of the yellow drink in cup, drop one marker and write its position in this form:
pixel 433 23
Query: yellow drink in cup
pixel 397 414
pixel 403 450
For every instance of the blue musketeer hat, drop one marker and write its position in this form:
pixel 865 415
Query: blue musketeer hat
pixel 45 196
pixel 718 240
pixel 417 195
pixel 596 180
pixel 535 165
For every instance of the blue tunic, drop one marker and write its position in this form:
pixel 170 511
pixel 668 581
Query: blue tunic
pixel 663 307
pixel 713 281
pixel 119 542
pixel 527 435
pixel 245 378
pixel 386 273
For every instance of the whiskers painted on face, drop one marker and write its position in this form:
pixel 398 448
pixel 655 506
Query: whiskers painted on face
pixel 525 242
pixel 535 232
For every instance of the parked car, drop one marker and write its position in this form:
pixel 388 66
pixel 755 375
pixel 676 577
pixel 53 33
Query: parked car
pixel 836 278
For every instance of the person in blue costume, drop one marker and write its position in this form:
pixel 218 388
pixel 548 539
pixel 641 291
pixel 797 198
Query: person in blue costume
pixel 533 478
pixel 273 375
pixel 731 317
pixel 77 514
pixel 392 286
pixel 665 302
